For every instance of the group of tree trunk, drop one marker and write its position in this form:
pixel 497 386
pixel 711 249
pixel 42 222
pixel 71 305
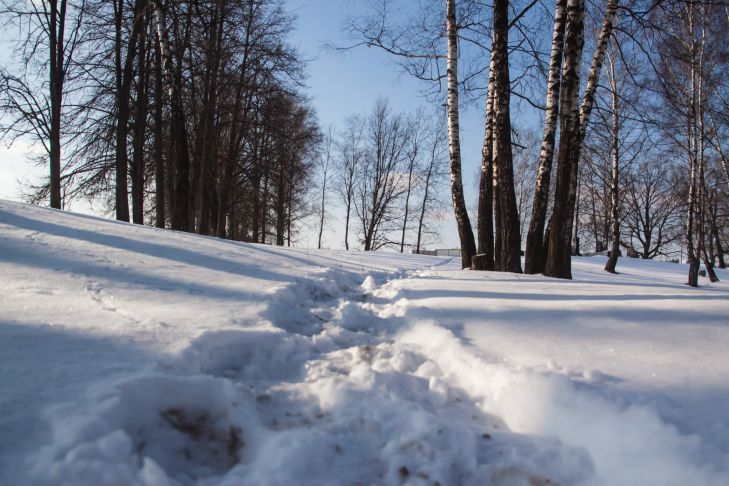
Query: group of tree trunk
pixel 642 55
pixel 190 111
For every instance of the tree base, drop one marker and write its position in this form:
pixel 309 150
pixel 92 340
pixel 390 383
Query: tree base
pixel 482 262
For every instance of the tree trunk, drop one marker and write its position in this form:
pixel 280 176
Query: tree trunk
pixel 558 262
pixel 178 129
pixel 208 129
pixel 534 254
pixel 124 73
pixel 615 175
pixel 423 208
pixel 465 233
pixel 715 235
pixel 411 167
pixel 346 225
pixel 598 57
pixel 57 77
pixel 322 206
pixel 509 239
pixel 692 257
pixel 486 187
pixel 159 163
pixel 708 263
pixel 140 128
pixel 121 203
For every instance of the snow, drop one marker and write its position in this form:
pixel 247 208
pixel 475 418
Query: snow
pixel 132 355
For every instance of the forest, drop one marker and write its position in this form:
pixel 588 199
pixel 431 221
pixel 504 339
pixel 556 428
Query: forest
pixel 605 125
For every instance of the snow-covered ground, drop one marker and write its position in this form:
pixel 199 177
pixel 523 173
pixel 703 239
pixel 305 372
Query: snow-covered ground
pixel 132 355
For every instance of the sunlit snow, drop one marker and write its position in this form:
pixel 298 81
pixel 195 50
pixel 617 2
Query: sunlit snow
pixel 132 355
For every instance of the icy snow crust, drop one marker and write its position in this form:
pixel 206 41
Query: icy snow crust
pixel 132 355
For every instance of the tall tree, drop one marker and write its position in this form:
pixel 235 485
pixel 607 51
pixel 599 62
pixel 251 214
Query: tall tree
pixel 51 35
pixel 465 232
pixel 534 259
pixel 178 128
pixel 351 153
pixel 379 186
pixel 485 222
pixel 615 166
pixel 324 174
pixel 124 73
pixel 508 239
pixel 574 120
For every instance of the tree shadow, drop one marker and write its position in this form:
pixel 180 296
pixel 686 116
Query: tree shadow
pixel 45 365
pixel 158 250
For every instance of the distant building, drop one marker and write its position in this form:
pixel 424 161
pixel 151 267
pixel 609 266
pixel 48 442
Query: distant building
pixel 454 252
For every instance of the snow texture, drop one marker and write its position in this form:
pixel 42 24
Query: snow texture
pixel 132 355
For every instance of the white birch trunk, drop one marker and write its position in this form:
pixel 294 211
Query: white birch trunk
pixel 597 60
pixel 468 245
pixel 534 255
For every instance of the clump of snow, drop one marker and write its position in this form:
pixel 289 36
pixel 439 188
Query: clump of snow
pixel 196 361
pixel 168 427
pixel 629 444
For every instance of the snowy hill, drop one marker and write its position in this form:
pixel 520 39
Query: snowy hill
pixel 132 355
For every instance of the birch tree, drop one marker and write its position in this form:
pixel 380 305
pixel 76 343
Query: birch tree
pixel 485 223
pixel 465 232
pixel 508 239
pixel 615 165
pixel 534 259
pixel 689 47
pixel 574 120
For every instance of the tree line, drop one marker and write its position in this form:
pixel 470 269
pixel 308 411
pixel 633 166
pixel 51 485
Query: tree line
pixel 632 96
pixel 187 115
pixel 193 115
pixel 384 169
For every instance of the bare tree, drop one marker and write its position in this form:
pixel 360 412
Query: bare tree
pixel 525 176
pixel 465 233
pixel 574 121
pixel 52 34
pixel 534 259
pixel 351 154
pixel 485 223
pixel 380 185
pixel 412 157
pixel 689 45
pixel 432 172
pixel 508 240
pixel 653 206
pixel 560 228
pixel 325 160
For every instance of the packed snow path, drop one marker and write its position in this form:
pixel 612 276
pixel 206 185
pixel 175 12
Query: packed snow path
pixel 131 355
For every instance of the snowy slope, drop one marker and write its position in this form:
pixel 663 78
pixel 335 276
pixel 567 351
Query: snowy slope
pixel 132 355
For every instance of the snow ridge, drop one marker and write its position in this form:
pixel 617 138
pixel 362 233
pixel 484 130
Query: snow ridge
pixel 320 392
